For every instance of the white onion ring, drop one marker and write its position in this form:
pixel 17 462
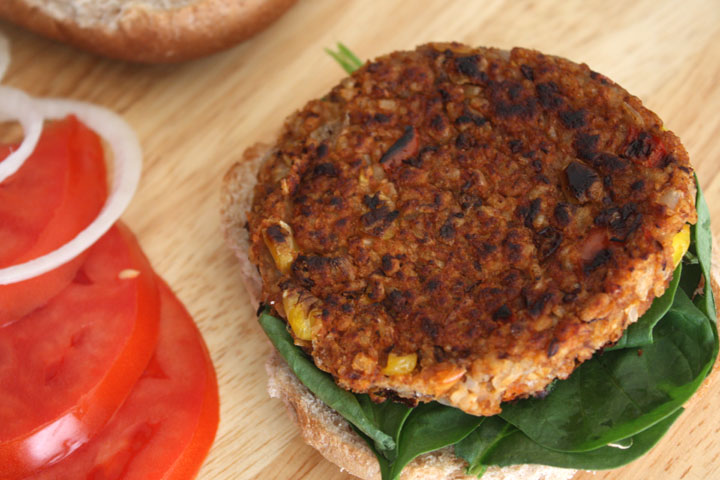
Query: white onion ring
pixel 4 55
pixel 127 158
pixel 16 105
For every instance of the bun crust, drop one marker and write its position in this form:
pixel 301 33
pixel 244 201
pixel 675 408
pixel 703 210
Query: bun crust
pixel 139 31
pixel 235 198
pixel 320 426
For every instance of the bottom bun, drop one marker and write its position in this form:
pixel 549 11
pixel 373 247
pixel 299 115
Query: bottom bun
pixel 325 430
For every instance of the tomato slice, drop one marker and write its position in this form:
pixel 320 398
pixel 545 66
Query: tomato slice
pixel 57 192
pixel 166 426
pixel 66 368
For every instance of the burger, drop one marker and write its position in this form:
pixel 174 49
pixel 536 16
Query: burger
pixel 477 262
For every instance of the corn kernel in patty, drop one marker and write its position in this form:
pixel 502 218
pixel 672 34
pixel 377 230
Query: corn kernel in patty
pixel 400 364
pixel 299 316
pixel 680 243
pixel 280 242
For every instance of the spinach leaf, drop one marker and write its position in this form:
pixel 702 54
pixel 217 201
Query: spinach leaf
pixel 430 427
pixel 516 448
pixel 641 332
pixel 691 276
pixel 389 416
pixel 321 383
pixel 701 238
pixel 382 460
pixel 620 393
pixel 475 446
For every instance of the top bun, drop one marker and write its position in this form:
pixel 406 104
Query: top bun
pixel 146 30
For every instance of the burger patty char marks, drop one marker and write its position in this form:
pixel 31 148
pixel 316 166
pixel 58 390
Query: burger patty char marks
pixel 481 220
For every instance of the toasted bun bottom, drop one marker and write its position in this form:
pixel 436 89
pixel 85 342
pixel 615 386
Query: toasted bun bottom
pixel 141 32
pixel 320 426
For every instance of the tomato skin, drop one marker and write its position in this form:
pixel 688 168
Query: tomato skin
pixel 191 460
pixel 57 192
pixel 48 409
pixel 169 421
pixel 189 463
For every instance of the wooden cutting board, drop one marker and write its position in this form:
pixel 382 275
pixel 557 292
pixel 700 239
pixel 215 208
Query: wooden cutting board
pixel 196 118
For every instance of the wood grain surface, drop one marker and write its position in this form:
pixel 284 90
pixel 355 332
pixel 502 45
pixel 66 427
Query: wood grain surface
pixel 195 119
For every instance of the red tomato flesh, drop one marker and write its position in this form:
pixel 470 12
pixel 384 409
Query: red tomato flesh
pixel 57 192
pixel 168 423
pixel 66 368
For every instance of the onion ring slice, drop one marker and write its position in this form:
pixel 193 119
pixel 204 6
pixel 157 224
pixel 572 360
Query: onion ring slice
pixel 17 105
pixel 127 159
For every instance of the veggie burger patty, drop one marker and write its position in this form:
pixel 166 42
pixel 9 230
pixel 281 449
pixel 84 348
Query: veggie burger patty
pixel 466 224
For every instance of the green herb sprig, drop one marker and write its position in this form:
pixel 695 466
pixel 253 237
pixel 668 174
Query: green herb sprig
pixel 346 58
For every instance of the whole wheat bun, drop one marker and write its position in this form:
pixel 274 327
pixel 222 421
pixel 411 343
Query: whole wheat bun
pixel 320 426
pixel 146 30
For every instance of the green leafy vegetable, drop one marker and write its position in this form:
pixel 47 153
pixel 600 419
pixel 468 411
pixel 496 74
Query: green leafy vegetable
pixel 427 428
pixel 320 383
pixel 430 427
pixel 347 59
pixel 617 394
pixel 641 332
pixel 517 448
pixel 692 274
pixel 389 416
pixel 701 238
pixel 381 458
pixel 475 446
